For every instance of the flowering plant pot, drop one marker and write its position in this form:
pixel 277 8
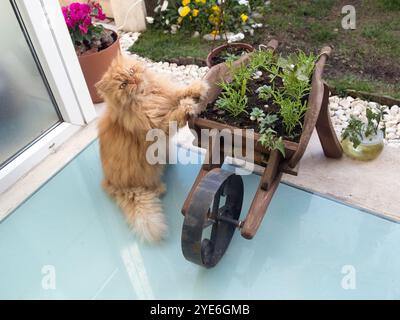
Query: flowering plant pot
pixel 95 46
pixel 95 64
pixel 230 49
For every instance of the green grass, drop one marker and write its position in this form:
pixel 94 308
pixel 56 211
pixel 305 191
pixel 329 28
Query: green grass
pixel 390 4
pixel 352 82
pixel 302 8
pixel 309 25
pixel 321 33
pixel 159 46
pixel 384 37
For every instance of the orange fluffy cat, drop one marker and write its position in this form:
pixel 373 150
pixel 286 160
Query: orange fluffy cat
pixel 139 100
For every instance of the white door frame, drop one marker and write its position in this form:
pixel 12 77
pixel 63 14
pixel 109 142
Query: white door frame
pixel 49 35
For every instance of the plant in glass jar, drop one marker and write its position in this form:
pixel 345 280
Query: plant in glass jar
pixel 363 140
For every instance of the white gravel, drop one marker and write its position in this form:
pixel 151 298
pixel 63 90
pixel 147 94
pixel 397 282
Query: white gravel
pixel 340 108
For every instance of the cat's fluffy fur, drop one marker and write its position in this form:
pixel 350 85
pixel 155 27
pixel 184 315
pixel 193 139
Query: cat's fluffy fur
pixel 139 100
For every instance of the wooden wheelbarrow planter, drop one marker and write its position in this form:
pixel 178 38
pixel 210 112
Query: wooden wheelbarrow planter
pixel 202 208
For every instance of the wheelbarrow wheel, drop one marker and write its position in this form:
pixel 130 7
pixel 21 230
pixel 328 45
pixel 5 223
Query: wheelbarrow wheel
pixel 207 209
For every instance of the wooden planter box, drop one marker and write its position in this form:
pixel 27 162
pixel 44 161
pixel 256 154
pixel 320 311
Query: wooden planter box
pixel 208 186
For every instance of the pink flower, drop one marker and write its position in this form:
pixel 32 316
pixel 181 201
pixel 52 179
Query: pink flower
pixel 83 28
pixel 101 15
pixel 87 21
pixel 69 22
pixel 86 9
pixel 78 18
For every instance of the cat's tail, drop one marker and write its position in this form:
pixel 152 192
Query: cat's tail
pixel 143 212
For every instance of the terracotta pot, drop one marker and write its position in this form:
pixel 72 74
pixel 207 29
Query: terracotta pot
pixel 94 65
pixel 216 51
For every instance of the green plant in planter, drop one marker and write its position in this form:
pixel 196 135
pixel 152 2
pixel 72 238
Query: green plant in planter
pixel 295 73
pixel 289 86
pixel 357 130
pixel 232 99
pixel 291 112
pixel 268 138
pixel 261 60
pixel 230 58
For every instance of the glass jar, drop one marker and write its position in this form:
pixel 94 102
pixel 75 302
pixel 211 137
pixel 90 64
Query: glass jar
pixel 369 149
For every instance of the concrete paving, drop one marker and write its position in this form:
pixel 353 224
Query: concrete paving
pixel 373 186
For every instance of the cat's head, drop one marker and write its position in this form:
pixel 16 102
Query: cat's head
pixel 122 82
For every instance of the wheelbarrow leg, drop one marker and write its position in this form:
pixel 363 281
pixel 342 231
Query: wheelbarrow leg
pixel 327 136
pixel 266 189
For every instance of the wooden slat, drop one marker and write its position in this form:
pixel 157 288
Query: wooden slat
pixel 210 124
pixel 326 133
pixel 271 170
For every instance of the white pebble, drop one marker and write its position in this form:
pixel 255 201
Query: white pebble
pixel 373 105
pixel 394 110
pixel 345 104
pixel 339 112
pixel 334 106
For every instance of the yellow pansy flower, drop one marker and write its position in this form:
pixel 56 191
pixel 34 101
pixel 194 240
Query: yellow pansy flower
pixel 213 19
pixel 216 9
pixel 214 32
pixel 195 12
pixel 244 17
pixel 184 11
pixel 185 2
pixel 201 1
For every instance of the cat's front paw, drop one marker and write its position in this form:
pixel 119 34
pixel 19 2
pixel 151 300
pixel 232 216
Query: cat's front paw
pixel 199 90
pixel 189 107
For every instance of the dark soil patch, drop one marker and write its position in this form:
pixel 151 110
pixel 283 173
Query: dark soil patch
pixel 107 39
pixel 183 61
pixel 223 55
